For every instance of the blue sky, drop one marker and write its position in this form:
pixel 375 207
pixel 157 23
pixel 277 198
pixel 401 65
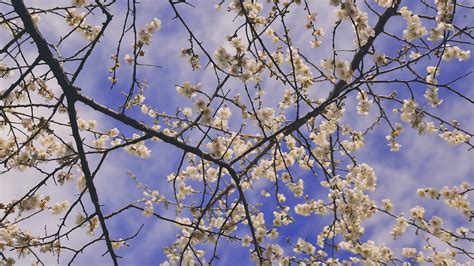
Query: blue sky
pixel 423 161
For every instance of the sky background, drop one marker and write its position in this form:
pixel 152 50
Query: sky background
pixel 423 161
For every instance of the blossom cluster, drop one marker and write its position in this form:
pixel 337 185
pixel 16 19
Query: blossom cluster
pixel 78 22
pixel 363 106
pixel 145 35
pixel 431 94
pixel 350 11
pixel 414 28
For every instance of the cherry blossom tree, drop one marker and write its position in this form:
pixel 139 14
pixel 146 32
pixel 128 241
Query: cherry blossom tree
pixel 265 126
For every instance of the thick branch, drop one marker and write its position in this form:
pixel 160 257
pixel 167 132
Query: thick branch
pixel 70 92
